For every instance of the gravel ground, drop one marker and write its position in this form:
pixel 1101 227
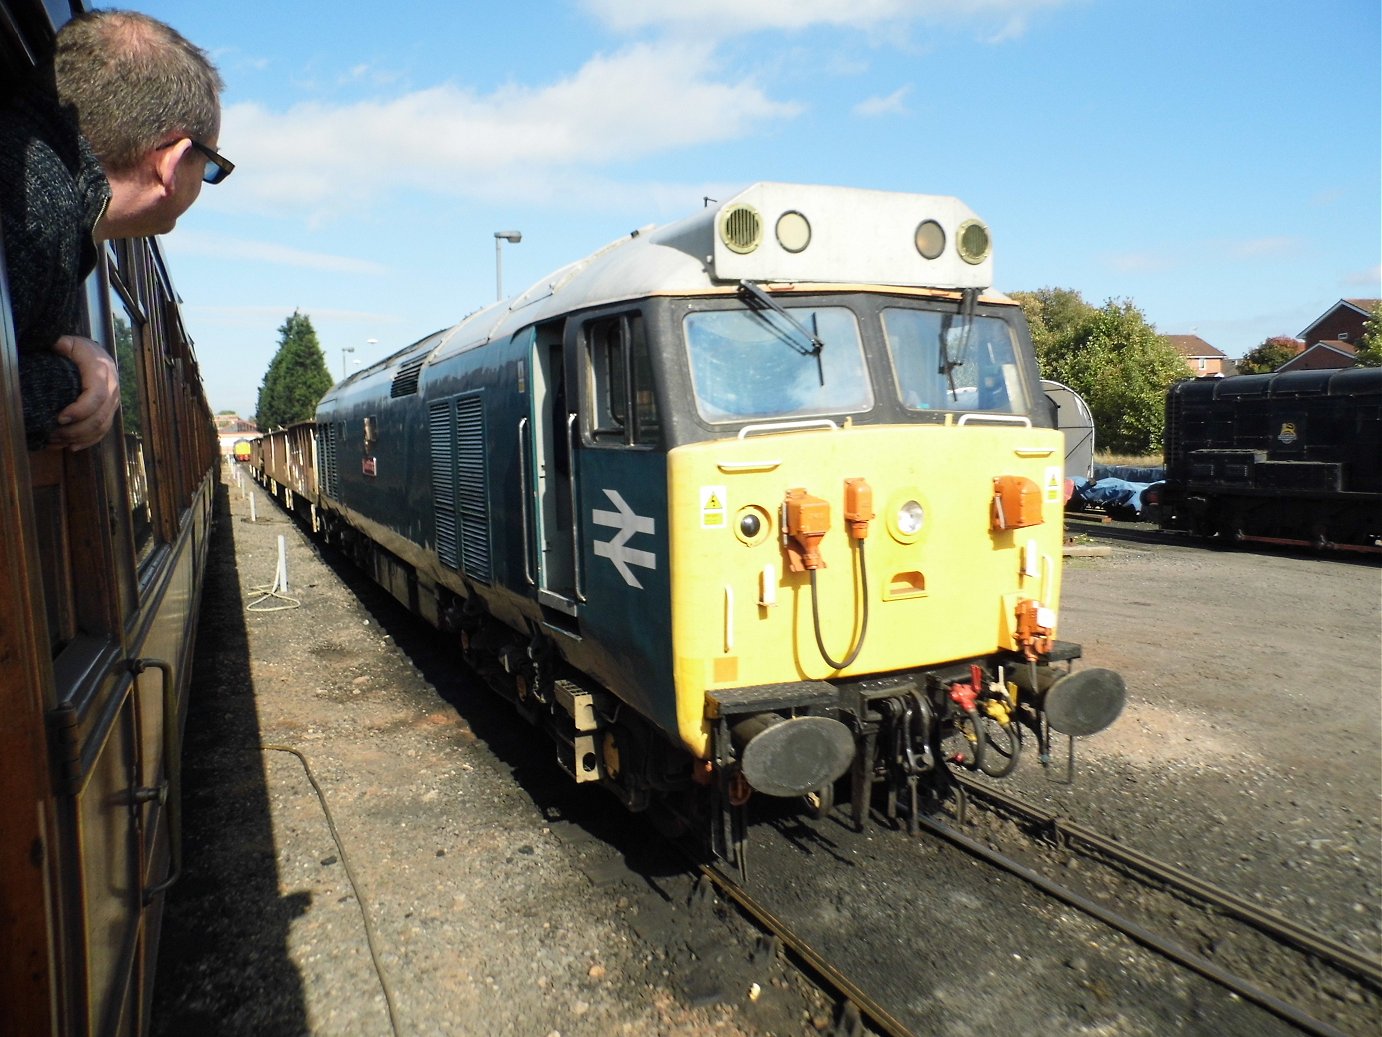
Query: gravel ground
pixel 1251 748
pixel 504 902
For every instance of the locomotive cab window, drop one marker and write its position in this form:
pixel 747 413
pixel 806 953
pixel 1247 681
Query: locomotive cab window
pixel 943 361
pixel 624 408
pixel 753 364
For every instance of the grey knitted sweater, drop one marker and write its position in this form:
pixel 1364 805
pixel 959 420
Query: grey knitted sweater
pixel 52 192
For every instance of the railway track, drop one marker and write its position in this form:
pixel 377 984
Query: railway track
pixel 1069 835
pixel 860 1006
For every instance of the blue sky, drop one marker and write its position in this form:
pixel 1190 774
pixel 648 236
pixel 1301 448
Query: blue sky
pixel 1215 161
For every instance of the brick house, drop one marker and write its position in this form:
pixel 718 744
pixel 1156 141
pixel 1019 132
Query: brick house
pixel 1331 341
pixel 1203 359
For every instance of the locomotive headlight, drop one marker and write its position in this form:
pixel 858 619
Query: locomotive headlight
pixel 741 229
pixel 972 242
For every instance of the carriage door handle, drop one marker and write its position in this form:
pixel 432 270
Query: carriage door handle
pixel 168 791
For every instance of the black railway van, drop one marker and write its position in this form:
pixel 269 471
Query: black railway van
pixel 1293 458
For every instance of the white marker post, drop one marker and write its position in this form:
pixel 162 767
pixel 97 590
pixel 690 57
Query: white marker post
pixel 281 577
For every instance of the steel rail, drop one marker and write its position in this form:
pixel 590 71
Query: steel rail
pixel 1332 952
pixel 1168 948
pixel 878 1016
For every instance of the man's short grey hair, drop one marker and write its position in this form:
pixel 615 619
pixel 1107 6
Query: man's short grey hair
pixel 135 83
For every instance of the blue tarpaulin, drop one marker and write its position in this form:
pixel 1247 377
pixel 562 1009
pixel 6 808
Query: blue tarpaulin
pixel 1120 498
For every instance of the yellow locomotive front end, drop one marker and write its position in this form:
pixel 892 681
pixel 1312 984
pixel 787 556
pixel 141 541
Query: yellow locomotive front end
pixel 842 552
pixel 865 544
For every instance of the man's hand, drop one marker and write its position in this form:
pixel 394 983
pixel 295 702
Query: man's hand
pixel 85 421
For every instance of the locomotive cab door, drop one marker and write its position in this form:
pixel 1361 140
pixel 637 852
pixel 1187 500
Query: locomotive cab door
pixel 553 533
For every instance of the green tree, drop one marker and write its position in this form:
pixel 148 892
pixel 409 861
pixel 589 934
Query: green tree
pixel 125 364
pixel 1054 315
pixel 297 377
pixel 1112 357
pixel 1271 354
pixel 1370 345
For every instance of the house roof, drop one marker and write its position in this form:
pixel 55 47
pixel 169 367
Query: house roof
pixel 1193 346
pixel 1343 347
pixel 1321 356
pixel 1363 306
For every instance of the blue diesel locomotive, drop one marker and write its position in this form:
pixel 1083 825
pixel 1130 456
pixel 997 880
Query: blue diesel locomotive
pixel 748 502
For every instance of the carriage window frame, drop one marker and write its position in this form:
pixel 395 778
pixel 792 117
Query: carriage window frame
pixel 130 286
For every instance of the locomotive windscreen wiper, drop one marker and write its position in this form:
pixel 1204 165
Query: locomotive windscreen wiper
pixel 959 337
pixel 758 300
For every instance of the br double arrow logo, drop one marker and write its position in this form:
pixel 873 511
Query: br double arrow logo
pixel 616 549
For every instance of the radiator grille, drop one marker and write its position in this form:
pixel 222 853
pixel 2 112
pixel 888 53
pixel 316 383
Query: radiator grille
pixel 326 460
pixel 405 381
pixel 443 481
pixel 472 487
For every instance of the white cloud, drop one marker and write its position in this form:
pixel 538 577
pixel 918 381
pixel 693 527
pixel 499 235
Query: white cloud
pixel 519 140
pixel 725 18
pixel 1271 246
pixel 892 104
pixel 194 243
pixel 1140 262
pixel 1369 279
pixel 242 316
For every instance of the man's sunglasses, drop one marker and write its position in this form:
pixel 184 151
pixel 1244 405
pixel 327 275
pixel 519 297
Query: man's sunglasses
pixel 217 166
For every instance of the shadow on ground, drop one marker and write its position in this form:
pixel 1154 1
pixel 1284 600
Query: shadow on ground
pixel 223 965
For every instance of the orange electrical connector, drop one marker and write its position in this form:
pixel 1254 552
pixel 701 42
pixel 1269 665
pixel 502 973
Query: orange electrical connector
pixel 806 520
pixel 1033 636
pixel 1016 503
pixel 858 507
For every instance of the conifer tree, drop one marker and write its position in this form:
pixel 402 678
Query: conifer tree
pixel 297 377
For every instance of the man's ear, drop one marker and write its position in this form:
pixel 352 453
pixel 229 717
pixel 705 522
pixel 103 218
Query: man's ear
pixel 165 163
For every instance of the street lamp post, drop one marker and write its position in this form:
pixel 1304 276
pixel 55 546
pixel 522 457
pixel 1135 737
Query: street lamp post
pixel 513 237
pixel 344 351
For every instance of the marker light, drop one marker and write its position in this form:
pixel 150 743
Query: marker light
pixel 752 525
pixel 909 518
pixel 793 232
pixel 930 239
